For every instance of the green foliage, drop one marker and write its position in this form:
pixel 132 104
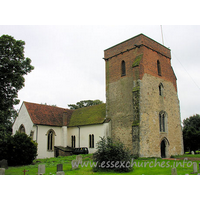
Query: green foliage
pixel 13 66
pixel 110 154
pixel 18 149
pixel 137 60
pixel 191 133
pixel 84 103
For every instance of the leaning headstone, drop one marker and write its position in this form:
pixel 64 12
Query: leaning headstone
pixel 174 171
pixel 195 167
pixel 2 171
pixel 60 173
pixel 4 164
pixel 192 152
pixel 59 167
pixel 75 164
pixel 41 169
pixel 79 159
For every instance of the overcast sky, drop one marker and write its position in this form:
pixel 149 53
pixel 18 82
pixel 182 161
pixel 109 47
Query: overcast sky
pixel 69 65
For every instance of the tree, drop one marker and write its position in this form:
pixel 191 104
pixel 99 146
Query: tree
pixel 84 103
pixel 13 66
pixel 110 155
pixel 18 149
pixel 191 133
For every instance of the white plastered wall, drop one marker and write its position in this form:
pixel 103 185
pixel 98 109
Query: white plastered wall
pixel 24 118
pixel 98 131
pixel 43 137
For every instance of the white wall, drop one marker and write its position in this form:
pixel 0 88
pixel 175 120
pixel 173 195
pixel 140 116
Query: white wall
pixel 99 130
pixel 23 118
pixel 42 140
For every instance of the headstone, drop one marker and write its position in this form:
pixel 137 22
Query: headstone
pixel 186 174
pixel 2 171
pixel 79 159
pixel 41 169
pixel 192 152
pixel 59 167
pixel 60 173
pixel 174 171
pixel 4 164
pixel 195 167
pixel 199 166
pixel 75 164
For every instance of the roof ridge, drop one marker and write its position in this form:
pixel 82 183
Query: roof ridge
pixel 45 105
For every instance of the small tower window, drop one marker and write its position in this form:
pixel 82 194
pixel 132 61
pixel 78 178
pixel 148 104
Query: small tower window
pixel 161 89
pixel 123 68
pixel 162 121
pixel 158 67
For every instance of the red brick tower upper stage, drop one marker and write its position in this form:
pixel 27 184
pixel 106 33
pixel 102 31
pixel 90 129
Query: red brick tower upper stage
pixel 141 97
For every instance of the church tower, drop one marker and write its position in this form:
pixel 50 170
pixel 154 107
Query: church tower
pixel 141 97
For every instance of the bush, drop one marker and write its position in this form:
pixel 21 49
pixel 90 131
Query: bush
pixel 19 149
pixel 112 155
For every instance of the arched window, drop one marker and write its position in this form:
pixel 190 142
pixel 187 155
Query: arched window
pixel 22 129
pixel 163 121
pixel 91 141
pixel 73 141
pixel 50 140
pixel 158 67
pixel 161 89
pixel 123 68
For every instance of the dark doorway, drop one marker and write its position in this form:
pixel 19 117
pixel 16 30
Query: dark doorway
pixel 163 149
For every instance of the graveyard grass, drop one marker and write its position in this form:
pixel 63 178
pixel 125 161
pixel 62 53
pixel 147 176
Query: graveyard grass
pixel 141 168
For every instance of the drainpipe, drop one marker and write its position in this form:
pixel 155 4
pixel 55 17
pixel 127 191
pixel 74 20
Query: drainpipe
pixel 79 136
pixel 36 132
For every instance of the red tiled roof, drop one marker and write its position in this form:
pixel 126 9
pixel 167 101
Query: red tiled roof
pixel 48 115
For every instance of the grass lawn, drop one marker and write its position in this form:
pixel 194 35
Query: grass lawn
pixel 146 166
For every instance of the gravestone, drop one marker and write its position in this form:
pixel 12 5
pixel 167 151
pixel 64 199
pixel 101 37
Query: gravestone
pixel 41 169
pixel 195 167
pixel 192 152
pixel 4 164
pixel 199 166
pixel 75 164
pixel 79 159
pixel 174 171
pixel 2 171
pixel 60 173
pixel 59 167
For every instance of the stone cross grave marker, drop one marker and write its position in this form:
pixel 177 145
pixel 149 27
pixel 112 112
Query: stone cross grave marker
pixel 41 169
pixel 79 159
pixel 75 164
pixel 59 167
pixel 2 171
pixel 4 164
pixel 195 167
pixel 174 171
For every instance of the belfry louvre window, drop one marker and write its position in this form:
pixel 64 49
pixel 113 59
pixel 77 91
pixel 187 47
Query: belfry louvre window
pixel 91 141
pixel 50 140
pixel 158 67
pixel 73 141
pixel 123 68
pixel 162 121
